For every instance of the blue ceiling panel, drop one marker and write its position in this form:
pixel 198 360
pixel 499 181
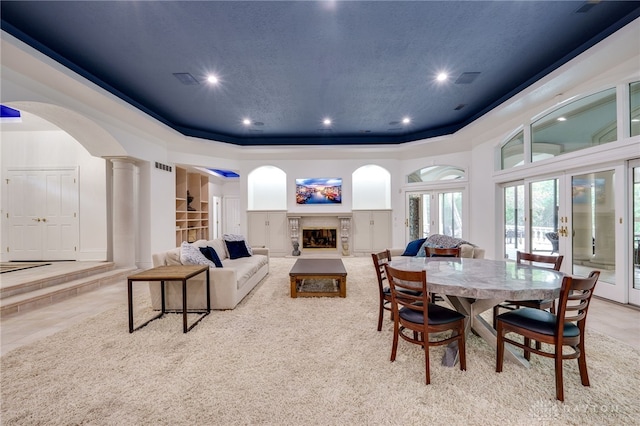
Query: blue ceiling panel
pixel 283 67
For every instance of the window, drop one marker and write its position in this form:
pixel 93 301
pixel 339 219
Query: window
pixel 436 173
pixel 512 152
pixel 584 123
pixel 634 103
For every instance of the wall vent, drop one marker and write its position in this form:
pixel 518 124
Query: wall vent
pixel 186 78
pixel 586 7
pixel 467 77
pixel 163 167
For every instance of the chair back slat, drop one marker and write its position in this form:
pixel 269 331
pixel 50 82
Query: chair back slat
pixel 379 260
pixel 403 284
pixel 575 290
pixel 443 252
pixel 544 261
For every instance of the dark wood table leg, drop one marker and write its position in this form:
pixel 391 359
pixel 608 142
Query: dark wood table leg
pixel 129 290
pixel 184 306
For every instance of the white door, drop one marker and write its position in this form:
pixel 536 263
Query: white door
pixel 217 216
pixel 232 219
pixel 42 213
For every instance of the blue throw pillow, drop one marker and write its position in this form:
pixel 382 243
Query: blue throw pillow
pixel 413 247
pixel 237 249
pixel 211 254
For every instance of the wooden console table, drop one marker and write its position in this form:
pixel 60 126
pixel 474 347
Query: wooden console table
pixel 170 273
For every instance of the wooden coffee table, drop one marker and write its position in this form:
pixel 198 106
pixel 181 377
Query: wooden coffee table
pixel 318 269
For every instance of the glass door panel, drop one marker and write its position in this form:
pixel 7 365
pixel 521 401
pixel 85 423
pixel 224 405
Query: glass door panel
pixel 543 225
pixel 593 229
pixel 419 215
pixel 634 291
pixel 513 220
pixel 450 214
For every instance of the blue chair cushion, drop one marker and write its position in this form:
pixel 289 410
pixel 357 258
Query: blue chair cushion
pixel 413 247
pixel 539 321
pixel 437 315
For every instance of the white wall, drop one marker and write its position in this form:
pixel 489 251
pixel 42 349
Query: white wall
pixel 58 149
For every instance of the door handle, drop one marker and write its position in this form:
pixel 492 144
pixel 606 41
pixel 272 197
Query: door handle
pixel 44 219
pixel 36 220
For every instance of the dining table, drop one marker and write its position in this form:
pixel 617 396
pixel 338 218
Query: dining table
pixel 474 286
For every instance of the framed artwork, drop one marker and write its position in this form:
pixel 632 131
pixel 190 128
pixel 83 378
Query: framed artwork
pixel 319 191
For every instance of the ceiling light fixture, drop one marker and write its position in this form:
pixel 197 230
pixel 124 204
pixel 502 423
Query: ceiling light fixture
pixel 327 122
pixel 562 119
pixel 212 79
pixel 246 122
pixel 442 76
pixel 406 120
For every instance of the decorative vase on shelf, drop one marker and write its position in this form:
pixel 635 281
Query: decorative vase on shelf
pixel 189 200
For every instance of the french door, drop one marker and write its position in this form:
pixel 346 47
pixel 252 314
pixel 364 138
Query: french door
pixel 633 244
pixel 434 212
pixel 577 215
pixel 42 208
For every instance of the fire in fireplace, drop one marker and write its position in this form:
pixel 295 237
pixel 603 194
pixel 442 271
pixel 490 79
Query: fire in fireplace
pixel 319 238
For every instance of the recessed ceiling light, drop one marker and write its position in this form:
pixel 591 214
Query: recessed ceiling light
pixel 326 122
pixel 442 76
pixel 212 79
pixel 406 120
pixel 562 119
pixel 246 122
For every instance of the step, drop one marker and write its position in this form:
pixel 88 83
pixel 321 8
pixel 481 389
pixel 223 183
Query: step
pixel 20 303
pixel 25 284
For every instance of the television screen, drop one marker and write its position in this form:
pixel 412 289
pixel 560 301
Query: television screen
pixel 319 191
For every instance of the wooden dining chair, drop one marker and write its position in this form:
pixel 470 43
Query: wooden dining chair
pixel 414 317
pixel 441 252
pixel 566 328
pixel 549 262
pixel 379 260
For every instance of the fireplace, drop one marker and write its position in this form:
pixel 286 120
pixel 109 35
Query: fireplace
pixel 319 238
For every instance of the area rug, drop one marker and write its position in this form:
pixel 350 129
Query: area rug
pixel 275 360
pixel 18 266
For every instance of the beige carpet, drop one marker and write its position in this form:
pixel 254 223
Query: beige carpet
pixel 306 361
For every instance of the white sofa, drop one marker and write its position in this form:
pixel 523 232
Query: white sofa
pixel 467 249
pixel 229 284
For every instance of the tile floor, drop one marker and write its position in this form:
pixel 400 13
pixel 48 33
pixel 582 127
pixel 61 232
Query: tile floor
pixel 619 321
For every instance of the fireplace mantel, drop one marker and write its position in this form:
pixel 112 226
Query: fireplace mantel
pixel 338 220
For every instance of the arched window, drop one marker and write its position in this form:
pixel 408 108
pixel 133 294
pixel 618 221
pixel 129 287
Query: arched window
pixel 512 152
pixel 436 173
pixel 371 188
pixel 583 123
pixel 267 189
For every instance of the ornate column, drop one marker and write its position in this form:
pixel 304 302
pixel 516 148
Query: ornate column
pixel 123 212
pixel 345 231
pixel 294 229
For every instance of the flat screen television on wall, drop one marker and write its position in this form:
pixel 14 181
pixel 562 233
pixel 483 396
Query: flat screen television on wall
pixel 319 191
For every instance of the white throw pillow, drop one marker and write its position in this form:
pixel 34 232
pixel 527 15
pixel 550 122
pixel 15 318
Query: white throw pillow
pixel 191 255
pixel 238 237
